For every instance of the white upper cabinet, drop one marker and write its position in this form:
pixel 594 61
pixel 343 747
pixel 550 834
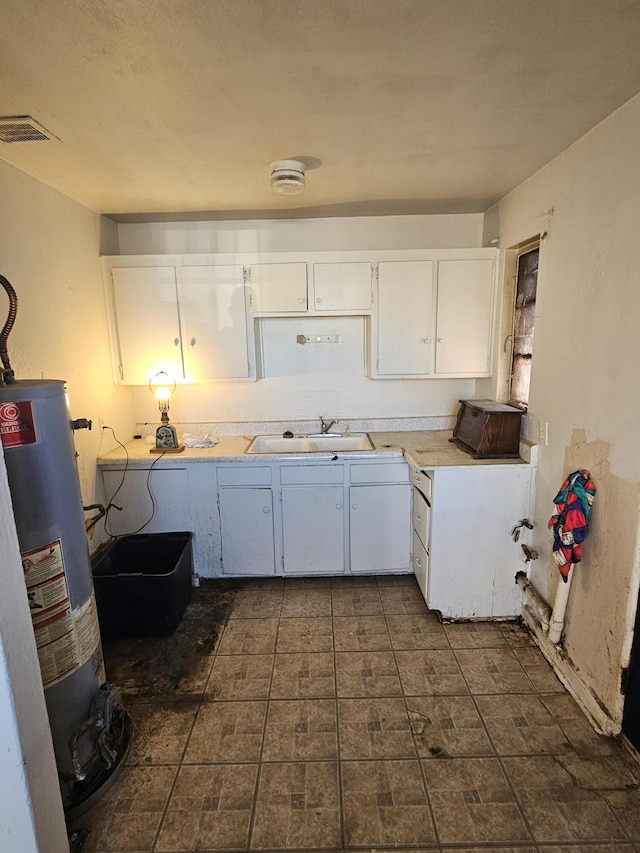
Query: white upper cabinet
pixel 432 311
pixel 213 312
pixel 341 287
pixel 434 317
pixel 405 318
pixel 311 288
pixel 278 288
pixel 189 320
pixel 148 323
pixel 464 316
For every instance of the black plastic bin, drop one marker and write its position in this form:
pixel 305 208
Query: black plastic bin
pixel 143 584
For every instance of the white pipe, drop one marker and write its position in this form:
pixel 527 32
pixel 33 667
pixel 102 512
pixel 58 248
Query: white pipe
pixel 559 609
pixel 543 611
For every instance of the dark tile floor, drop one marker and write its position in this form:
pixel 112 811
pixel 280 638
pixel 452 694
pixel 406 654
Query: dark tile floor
pixel 327 715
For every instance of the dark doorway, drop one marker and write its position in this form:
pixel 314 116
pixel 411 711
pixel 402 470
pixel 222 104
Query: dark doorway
pixel 631 719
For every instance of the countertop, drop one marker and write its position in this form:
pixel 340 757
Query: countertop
pixel 421 449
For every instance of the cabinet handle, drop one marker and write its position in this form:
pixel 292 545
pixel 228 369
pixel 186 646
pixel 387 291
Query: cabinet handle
pixel 318 299
pixel 301 300
pixel 440 340
pixel 426 340
pixel 176 341
pixel 193 342
pixel 418 518
pixel 266 509
pixel 419 562
pixel 338 506
pixel 354 506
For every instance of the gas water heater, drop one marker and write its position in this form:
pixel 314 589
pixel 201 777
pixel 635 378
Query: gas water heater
pixel 89 727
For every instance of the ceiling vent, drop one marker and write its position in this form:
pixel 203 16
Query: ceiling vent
pixel 23 129
pixel 287 177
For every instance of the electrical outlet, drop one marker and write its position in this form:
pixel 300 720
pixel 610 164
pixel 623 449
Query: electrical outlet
pixel 100 424
pixel 318 339
pixel 544 433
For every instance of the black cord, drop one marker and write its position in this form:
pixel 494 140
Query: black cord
pixel 110 503
pixel 153 500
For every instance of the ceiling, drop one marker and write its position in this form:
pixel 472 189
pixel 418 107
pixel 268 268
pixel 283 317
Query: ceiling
pixel 397 106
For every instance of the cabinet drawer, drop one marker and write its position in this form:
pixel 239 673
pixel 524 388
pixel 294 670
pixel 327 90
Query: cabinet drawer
pixel 291 475
pixel 421 517
pixel 420 562
pixel 423 482
pixel 396 472
pixel 244 475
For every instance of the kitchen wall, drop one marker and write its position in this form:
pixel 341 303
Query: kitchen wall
pixel 458 231
pixel 585 380
pixel 49 251
pixel 302 382
pixel 49 248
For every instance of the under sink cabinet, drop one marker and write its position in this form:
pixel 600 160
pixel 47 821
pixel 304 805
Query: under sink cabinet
pixel 328 518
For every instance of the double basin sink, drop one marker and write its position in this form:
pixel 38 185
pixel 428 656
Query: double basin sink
pixel 319 443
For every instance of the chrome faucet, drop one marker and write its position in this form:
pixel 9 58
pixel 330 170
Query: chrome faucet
pixel 325 427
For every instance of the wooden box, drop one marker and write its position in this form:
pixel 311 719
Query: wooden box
pixel 488 430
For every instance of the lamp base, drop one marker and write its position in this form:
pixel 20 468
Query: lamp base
pixel 177 449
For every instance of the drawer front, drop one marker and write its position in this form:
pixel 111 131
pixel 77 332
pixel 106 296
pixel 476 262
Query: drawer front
pixel 244 475
pixel 420 562
pixel 293 475
pixel 424 482
pixel 395 472
pixel 421 517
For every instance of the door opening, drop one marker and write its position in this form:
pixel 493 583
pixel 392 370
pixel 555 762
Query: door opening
pixel 523 325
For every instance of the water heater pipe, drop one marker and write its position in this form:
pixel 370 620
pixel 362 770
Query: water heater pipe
pixel 551 621
pixel 8 377
pixel 559 609
pixel 543 611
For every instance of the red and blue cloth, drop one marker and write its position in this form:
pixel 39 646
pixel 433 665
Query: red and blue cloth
pixel 571 521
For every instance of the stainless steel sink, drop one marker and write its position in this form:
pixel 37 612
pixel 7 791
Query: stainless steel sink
pixel 310 443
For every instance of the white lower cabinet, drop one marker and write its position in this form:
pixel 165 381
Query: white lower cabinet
pixel 472 559
pixel 313 529
pixel 246 531
pixel 341 517
pixel 155 500
pixel 380 526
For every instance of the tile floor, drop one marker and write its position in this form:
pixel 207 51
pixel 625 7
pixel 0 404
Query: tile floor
pixel 339 714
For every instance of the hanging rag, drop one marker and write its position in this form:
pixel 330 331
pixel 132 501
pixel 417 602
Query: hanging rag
pixel 570 523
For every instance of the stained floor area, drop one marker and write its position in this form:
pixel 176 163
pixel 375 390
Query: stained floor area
pixel 340 714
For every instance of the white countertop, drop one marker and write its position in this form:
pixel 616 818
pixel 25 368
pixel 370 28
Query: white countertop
pixel 421 449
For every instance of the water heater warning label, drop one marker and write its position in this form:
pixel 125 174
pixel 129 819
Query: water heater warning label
pixel 65 638
pixel 16 424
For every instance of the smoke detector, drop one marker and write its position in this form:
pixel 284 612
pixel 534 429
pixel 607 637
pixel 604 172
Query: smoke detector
pixel 23 129
pixel 287 177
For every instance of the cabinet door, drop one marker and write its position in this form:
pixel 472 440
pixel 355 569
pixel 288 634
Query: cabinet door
pixel 342 287
pixel 214 319
pixel 279 288
pixel 405 318
pixel 246 529
pixel 168 511
pixel 380 518
pixel 465 302
pixel 313 529
pixel 148 324
pixel 473 559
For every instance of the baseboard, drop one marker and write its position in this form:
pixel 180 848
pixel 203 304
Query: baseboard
pixel 602 721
